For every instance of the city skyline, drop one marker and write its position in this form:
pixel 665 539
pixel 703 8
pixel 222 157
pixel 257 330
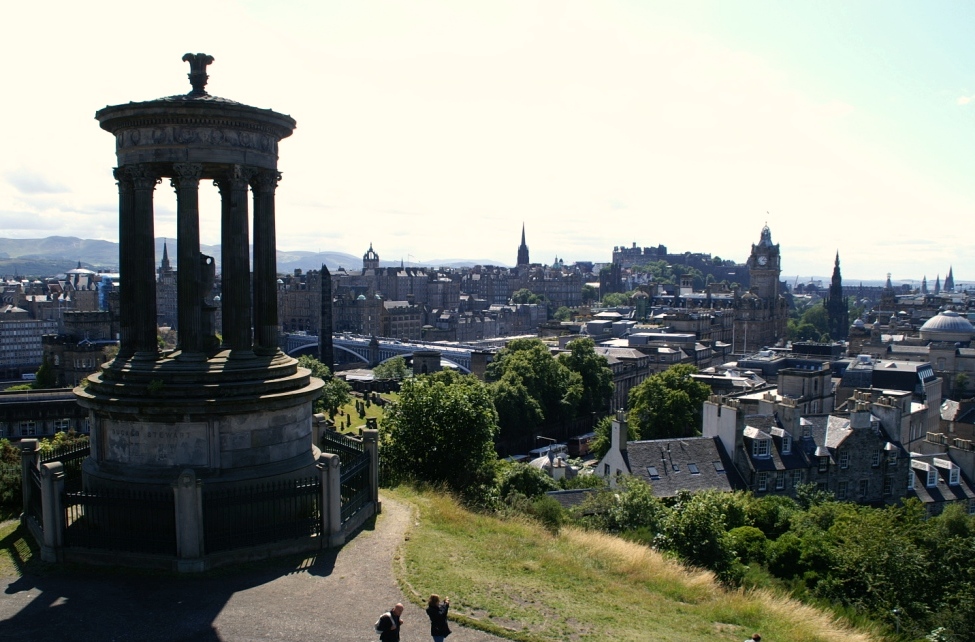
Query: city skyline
pixel 435 132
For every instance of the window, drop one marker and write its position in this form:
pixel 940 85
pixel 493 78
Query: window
pixel 694 470
pixel 892 457
pixel 762 481
pixel 971 506
pixel 652 470
pixel 796 478
pixel 823 464
pixel 786 444
pixel 888 485
pixel 953 477
pixel 62 425
pixel 844 459
pixel 876 458
pixel 910 479
pixel 821 487
pixel 932 477
pixel 760 448
pixel 28 428
pixel 779 481
pixel 806 430
pixel 718 467
pixel 864 487
pixel 842 490
pixel 605 470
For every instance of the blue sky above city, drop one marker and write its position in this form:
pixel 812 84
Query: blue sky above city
pixel 434 130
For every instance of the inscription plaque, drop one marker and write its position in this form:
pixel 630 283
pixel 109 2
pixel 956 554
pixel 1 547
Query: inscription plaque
pixel 156 444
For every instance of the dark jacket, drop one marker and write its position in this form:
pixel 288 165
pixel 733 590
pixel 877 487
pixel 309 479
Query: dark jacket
pixel 389 633
pixel 438 619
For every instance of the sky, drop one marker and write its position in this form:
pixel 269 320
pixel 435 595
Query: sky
pixel 434 130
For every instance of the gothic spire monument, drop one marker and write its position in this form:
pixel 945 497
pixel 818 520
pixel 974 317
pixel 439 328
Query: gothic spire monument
pixel 228 411
pixel 837 308
pixel 523 250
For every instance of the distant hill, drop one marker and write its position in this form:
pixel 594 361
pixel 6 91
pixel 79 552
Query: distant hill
pixel 57 254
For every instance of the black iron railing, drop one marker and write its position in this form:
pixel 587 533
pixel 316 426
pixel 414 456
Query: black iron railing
pixel 261 514
pixel 135 521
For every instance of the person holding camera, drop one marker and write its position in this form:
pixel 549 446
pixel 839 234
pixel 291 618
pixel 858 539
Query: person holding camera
pixel 437 611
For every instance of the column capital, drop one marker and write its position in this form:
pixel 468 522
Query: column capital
pixel 237 176
pixel 143 176
pixel 265 181
pixel 186 174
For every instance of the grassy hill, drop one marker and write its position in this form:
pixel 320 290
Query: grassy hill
pixel 515 579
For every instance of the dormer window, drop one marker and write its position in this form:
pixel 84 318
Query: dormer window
pixel 932 477
pixel 760 448
pixel 910 479
pixel 786 444
pixel 953 477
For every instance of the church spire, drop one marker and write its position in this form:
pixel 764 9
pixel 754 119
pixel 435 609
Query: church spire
pixel 523 249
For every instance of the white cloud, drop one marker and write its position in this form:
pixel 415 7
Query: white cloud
pixel 964 100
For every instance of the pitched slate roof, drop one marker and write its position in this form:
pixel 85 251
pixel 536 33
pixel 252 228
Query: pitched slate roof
pixel 692 464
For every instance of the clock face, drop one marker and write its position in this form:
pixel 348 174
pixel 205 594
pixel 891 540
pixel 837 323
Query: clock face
pixel 762 260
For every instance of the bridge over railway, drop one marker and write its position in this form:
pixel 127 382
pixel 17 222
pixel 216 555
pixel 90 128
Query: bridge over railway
pixel 375 350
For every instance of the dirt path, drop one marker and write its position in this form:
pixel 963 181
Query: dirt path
pixel 334 597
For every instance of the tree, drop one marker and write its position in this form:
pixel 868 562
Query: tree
pixel 554 387
pixel 46 377
pixel 562 314
pixel 441 433
pixel 668 404
pixel 695 531
pixel 335 393
pixel 589 294
pixel 597 378
pixel 394 368
pixel 616 300
pixel 524 295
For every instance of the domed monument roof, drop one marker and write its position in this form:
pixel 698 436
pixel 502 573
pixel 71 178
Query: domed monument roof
pixel 947 325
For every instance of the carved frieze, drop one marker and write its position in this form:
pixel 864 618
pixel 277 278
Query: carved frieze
pixel 218 137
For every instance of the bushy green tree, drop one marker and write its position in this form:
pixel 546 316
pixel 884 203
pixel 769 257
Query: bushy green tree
pixel 668 404
pixel 562 314
pixel 589 294
pixel 629 507
pixel 394 368
pixel 615 300
pixel 597 378
pixel 525 369
pixel 524 295
pixel 335 393
pixel 441 433
pixel 525 480
pixel 695 531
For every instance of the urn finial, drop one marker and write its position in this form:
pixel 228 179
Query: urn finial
pixel 198 72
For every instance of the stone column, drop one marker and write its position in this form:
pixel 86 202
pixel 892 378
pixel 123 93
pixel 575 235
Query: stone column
pixel 188 495
pixel 137 244
pixel 28 460
pixel 189 295
pixel 126 257
pixel 331 471
pixel 265 264
pixel 52 485
pixel 370 438
pixel 235 279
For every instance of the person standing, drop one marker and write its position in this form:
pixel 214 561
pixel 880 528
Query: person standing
pixel 390 623
pixel 437 611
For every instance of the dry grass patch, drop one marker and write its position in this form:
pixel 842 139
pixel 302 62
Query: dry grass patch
pixel 515 579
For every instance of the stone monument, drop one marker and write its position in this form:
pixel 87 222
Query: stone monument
pixel 232 411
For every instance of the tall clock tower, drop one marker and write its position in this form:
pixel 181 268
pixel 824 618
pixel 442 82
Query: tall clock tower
pixel 764 267
pixel 761 313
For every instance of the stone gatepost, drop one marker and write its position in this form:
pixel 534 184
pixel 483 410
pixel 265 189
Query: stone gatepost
pixel 28 460
pixel 331 471
pixel 52 517
pixel 189 523
pixel 370 438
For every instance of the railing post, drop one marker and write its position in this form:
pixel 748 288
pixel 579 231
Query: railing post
pixel 188 496
pixel 52 485
pixel 28 460
pixel 370 439
pixel 331 471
